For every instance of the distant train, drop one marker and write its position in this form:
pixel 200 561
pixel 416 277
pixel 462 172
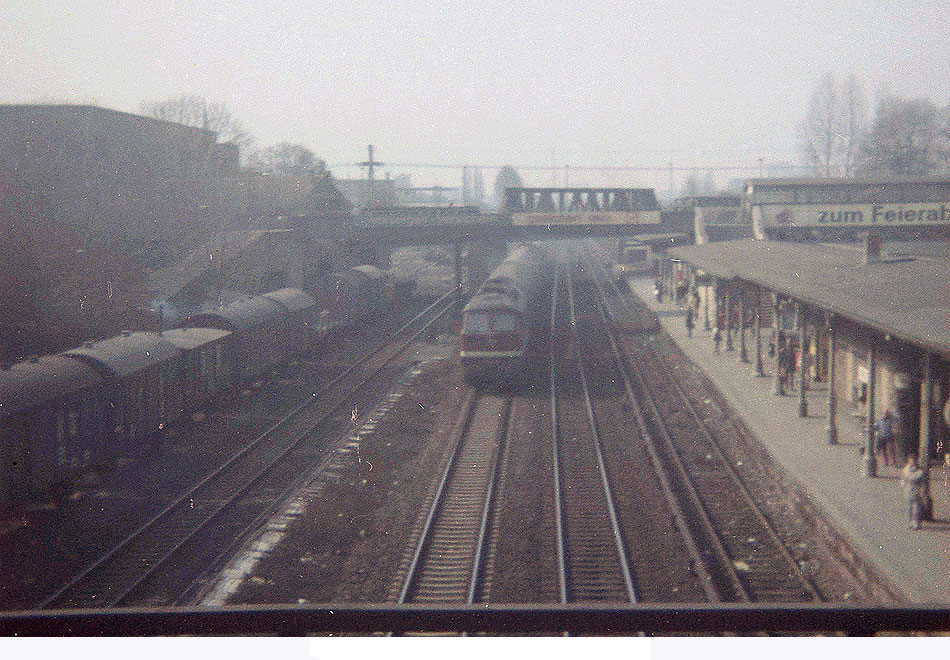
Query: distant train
pixel 497 323
pixel 633 258
pixel 70 417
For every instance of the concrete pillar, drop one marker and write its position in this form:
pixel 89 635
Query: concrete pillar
pixel 743 353
pixel 776 326
pixel 802 374
pixel 870 461
pixel 706 293
pixel 729 346
pixel 759 367
pixel 925 440
pixel 832 399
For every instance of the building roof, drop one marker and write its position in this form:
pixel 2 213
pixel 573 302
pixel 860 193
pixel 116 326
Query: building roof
pixel 905 297
pixel 28 384
pixel 68 111
pixel 223 247
pixel 128 353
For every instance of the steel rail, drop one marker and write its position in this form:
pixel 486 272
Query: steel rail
pixel 477 567
pixel 555 436
pixel 662 473
pixel 724 560
pixel 468 407
pixel 622 555
pixel 740 483
pixel 188 495
pixel 735 478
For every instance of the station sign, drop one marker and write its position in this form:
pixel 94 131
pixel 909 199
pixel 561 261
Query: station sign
pixel 588 218
pixel 856 215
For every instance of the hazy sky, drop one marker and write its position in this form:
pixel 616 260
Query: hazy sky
pixel 596 83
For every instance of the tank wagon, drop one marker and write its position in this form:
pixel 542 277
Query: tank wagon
pixel 65 419
pixel 498 322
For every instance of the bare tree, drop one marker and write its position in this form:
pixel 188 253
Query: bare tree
pixel 819 132
pixel 194 110
pixel 507 177
pixel 852 124
pixel 905 139
pixel 287 158
pixel 691 187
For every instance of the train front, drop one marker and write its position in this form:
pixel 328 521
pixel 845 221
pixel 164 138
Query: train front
pixel 494 339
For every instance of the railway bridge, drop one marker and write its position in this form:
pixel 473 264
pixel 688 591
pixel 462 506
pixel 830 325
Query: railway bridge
pixel 527 214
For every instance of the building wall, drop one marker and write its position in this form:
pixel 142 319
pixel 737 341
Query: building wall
pixel 120 181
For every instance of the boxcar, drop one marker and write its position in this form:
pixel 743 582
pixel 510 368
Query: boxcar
pixel 205 368
pixel 54 424
pixel 144 384
pixel 255 324
pixel 354 294
pixel 300 325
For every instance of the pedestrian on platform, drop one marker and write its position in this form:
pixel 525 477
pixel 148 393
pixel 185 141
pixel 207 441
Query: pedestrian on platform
pixel 717 338
pixel 884 431
pixel 913 480
pixel 689 322
pixel 785 365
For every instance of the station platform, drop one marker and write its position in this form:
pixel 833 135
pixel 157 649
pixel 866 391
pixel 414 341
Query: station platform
pixel 870 513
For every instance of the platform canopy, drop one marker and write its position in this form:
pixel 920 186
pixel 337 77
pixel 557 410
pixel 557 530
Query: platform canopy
pixel 907 297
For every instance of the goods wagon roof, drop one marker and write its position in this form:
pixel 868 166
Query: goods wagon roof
pixel 191 338
pixel 28 384
pixel 293 300
pixel 242 314
pixel 127 353
pixel 372 272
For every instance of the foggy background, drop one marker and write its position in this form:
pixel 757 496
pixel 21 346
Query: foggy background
pixel 487 83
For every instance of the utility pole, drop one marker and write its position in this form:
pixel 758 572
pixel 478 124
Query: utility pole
pixel 370 163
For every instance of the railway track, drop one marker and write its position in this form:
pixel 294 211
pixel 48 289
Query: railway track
pixel 593 563
pixel 744 554
pixel 247 485
pixel 448 560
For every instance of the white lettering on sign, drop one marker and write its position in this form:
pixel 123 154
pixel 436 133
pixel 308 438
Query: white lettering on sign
pixel 588 218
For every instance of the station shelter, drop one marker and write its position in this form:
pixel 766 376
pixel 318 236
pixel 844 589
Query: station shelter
pixel 872 327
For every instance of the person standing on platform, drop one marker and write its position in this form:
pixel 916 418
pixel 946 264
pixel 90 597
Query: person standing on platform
pixel 884 431
pixel 913 480
pixel 784 365
pixel 717 338
pixel 689 322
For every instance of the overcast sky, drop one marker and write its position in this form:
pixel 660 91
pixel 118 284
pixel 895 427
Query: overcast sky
pixel 591 83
